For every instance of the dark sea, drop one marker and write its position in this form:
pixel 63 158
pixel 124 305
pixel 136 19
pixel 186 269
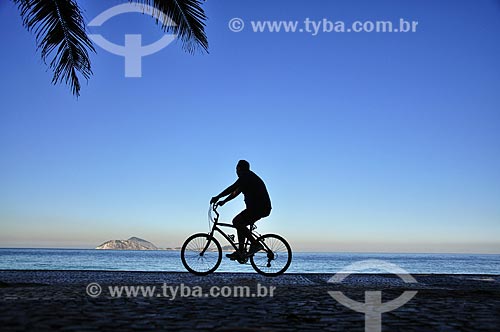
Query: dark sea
pixel 303 262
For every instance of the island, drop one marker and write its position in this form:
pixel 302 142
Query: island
pixel 133 243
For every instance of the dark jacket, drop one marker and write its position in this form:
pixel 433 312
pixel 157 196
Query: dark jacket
pixel 255 192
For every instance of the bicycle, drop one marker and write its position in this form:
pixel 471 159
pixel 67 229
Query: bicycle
pixel 201 253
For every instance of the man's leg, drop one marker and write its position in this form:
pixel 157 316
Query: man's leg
pixel 241 221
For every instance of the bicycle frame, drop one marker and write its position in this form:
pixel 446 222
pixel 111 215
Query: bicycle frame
pixel 216 227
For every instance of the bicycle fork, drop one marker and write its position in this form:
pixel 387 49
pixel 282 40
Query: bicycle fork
pixel 211 235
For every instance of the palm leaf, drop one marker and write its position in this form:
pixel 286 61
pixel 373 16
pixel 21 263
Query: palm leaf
pixel 60 33
pixel 189 19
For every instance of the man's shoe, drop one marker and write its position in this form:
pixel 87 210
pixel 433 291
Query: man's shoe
pixel 234 256
pixel 254 248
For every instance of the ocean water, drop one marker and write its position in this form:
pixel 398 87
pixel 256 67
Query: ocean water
pixel 302 262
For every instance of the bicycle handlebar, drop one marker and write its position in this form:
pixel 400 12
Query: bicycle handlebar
pixel 214 208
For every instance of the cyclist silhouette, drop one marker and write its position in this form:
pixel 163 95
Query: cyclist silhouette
pixel 258 206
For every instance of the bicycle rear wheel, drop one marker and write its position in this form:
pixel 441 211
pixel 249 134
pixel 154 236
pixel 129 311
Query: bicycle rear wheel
pixel 197 261
pixel 274 261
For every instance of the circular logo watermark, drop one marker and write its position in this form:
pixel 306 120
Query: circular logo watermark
pixel 133 51
pixel 373 307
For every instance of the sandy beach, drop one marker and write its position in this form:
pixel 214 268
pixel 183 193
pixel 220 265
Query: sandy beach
pixel 60 301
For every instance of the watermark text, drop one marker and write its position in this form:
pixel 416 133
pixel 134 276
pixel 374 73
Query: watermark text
pixel 316 27
pixel 171 292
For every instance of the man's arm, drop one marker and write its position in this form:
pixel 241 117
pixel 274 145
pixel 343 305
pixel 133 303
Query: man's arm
pixel 231 196
pixel 233 190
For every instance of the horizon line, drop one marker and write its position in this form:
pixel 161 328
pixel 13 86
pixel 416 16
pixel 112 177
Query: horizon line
pixel 297 251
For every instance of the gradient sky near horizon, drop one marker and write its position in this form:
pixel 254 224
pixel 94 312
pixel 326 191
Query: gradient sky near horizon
pixel 385 142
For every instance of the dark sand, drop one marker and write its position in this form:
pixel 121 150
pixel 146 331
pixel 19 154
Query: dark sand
pixel 57 301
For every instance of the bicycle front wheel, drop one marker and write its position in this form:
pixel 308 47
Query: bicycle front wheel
pixel 275 258
pixel 199 259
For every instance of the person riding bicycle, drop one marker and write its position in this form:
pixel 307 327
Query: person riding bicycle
pixel 258 206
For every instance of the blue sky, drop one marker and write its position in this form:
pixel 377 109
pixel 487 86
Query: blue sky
pixel 366 141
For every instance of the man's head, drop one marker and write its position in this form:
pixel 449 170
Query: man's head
pixel 243 166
